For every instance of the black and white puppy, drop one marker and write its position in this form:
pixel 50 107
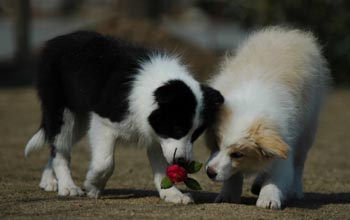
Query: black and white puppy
pixel 117 92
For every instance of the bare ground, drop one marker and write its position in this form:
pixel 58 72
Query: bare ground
pixel 130 193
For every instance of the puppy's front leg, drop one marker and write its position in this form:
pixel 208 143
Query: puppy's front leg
pixel 275 187
pixel 231 190
pixel 159 166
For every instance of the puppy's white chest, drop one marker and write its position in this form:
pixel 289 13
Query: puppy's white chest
pixel 125 130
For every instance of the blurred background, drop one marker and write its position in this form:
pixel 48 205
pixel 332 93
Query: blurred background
pixel 202 30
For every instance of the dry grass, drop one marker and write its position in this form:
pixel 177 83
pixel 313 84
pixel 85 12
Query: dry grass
pixel 130 192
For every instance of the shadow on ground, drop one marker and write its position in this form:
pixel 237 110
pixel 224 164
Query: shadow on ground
pixel 200 197
pixel 317 200
pixel 310 200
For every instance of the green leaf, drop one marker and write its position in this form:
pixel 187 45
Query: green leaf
pixel 192 184
pixel 194 167
pixel 166 183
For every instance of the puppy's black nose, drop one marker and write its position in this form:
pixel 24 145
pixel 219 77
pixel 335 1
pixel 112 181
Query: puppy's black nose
pixel 211 173
pixel 181 161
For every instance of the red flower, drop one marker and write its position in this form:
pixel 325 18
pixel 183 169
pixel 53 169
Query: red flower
pixel 176 173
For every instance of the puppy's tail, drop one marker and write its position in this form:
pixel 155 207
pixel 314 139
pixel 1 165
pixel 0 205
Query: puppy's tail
pixel 36 142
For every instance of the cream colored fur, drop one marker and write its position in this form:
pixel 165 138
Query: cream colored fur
pixel 273 87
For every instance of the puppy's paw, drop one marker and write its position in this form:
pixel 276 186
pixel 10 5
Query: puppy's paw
pixel 69 190
pixel 174 195
pixel 48 182
pixel 228 198
pixel 269 203
pixel 92 191
pixel 270 198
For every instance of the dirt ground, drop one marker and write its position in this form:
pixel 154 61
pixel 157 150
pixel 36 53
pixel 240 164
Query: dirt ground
pixel 130 193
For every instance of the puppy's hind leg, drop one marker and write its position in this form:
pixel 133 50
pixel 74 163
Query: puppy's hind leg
pixel 304 144
pixel 159 166
pixel 102 141
pixel 48 180
pixel 62 145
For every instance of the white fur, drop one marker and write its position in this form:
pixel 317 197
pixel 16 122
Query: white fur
pixel 279 75
pixel 183 147
pixel 48 180
pixel 66 186
pixel 64 140
pixel 35 143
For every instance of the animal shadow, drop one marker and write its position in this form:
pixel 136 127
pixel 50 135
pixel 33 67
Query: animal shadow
pixel 317 200
pixel 128 193
pixel 200 197
pixel 310 200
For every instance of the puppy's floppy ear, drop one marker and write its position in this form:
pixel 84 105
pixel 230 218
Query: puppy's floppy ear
pixel 269 141
pixel 212 100
pixel 212 97
pixel 273 146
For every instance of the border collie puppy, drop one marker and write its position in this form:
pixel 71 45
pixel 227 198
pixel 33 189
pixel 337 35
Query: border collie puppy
pixel 117 92
pixel 273 88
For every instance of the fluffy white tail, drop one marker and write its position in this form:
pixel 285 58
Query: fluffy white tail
pixel 36 142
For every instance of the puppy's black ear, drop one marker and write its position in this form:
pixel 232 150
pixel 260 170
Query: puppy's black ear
pixel 212 97
pixel 212 102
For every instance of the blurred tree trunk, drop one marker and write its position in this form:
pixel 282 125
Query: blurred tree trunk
pixel 22 30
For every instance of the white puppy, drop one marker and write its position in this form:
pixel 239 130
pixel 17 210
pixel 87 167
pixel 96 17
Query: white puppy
pixel 273 89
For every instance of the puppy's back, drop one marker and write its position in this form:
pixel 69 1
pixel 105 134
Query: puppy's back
pixel 287 57
pixel 84 69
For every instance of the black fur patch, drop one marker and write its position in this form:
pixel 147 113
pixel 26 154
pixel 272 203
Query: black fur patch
pixel 177 106
pixel 85 71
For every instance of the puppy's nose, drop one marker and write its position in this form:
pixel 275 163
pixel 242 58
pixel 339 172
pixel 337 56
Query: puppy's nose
pixel 181 161
pixel 211 173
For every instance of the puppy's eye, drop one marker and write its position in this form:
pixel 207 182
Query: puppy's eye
pixel 236 155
